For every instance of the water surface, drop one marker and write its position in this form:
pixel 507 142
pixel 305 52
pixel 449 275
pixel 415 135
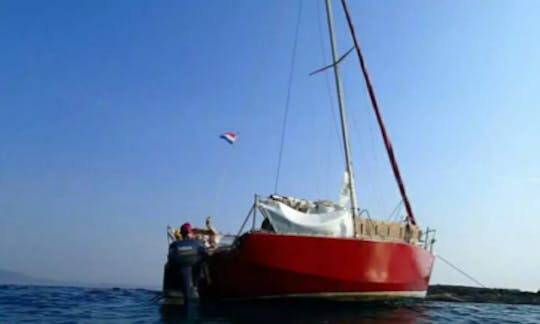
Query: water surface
pixel 87 305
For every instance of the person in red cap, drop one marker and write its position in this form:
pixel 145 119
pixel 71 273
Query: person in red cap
pixel 186 231
pixel 208 235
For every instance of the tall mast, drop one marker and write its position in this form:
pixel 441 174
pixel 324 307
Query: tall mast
pixel 344 132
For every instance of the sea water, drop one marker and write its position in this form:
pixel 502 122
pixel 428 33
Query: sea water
pixel 87 305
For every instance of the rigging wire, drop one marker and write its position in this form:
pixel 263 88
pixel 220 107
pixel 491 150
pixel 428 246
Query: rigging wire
pixel 461 271
pixel 246 112
pixel 371 169
pixel 396 211
pixel 289 86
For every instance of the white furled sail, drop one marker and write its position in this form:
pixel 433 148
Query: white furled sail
pixel 345 192
pixel 297 216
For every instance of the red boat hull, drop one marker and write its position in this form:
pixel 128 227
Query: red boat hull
pixel 264 265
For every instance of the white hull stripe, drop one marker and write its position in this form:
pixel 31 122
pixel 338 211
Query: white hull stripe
pixel 379 295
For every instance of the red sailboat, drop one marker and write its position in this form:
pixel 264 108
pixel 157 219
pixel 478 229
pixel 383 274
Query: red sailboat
pixel 322 249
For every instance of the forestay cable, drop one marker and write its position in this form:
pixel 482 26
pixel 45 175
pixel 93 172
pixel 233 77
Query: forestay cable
pixel 289 86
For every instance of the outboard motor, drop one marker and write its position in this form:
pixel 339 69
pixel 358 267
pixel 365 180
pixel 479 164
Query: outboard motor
pixel 183 270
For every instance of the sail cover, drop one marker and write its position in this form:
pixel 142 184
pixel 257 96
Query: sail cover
pixel 298 216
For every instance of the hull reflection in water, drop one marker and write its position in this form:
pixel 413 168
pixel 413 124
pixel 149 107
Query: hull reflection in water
pixel 303 311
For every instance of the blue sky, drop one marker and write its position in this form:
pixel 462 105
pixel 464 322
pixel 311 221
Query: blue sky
pixel 111 113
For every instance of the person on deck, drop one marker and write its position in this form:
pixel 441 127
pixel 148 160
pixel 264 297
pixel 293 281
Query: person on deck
pixel 185 232
pixel 267 226
pixel 210 236
pixel 212 233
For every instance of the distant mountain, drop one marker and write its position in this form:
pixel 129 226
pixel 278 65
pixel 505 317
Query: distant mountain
pixel 8 277
pixel 17 278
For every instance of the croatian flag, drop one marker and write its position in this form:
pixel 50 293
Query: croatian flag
pixel 229 137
